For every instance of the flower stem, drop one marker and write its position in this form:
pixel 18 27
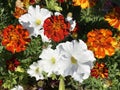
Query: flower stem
pixel 61 84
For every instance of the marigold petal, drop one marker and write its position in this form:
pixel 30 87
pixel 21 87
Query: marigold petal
pixel 15 38
pixel 56 28
pixel 101 42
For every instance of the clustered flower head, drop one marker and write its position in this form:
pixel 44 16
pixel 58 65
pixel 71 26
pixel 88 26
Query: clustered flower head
pixel 113 18
pixel 56 28
pixel 84 3
pixel 19 11
pixel 12 64
pixel 15 38
pixel 99 71
pixel 101 42
pixel 61 1
pixel 1 82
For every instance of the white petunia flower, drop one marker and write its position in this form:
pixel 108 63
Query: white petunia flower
pixel 78 59
pixel 51 61
pixel 34 19
pixel 44 38
pixel 19 87
pixel 57 13
pixel 36 70
pixel 72 23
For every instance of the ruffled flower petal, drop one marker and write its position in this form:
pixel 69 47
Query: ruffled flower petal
pixel 84 3
pixel 56 28
pixel 113 18
pixel 101 42
pixel 15 38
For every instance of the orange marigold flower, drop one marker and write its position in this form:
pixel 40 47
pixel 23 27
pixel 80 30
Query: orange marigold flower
pixel 113 18
pixel 84 3
pixel 56 28
pixel 101 42
pixel 18 12
pixel 15 38
pixel 99 70
pixel 12 64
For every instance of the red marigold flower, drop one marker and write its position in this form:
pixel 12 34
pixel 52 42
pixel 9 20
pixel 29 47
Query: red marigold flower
pixel 101 42
pixel 32 1
pixel 84 3
pixel 61 1
pixel 113 18
pixel 1 82
pixel 56 28
pixel 15 38
pixel 12 64
pixel 99 70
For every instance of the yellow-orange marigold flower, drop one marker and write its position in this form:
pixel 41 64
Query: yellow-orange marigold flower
pixel 18 12
pixel 113 18
pixel 99 70
pixel 15 38
pixel 101 42
pixel 84 3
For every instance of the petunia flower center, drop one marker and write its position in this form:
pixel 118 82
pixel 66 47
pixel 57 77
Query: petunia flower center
pixel 38 22
pixel 37 70
pixel 73 60
pixel 53 60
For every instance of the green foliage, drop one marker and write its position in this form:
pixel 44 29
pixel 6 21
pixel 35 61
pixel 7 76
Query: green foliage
pixel 53 5
pixel 10 81
pixel 6 13
pixel 34 48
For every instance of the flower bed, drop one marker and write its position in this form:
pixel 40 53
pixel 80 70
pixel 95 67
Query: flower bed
pixel 60 45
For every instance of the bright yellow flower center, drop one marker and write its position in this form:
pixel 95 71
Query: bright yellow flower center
pixel 38 22
pixel 73 60
pixel 53 60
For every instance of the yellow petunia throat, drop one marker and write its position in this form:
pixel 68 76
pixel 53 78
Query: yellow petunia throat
pixel 53 60
pixel 73 60
pixel 37 70
pixel 38 22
